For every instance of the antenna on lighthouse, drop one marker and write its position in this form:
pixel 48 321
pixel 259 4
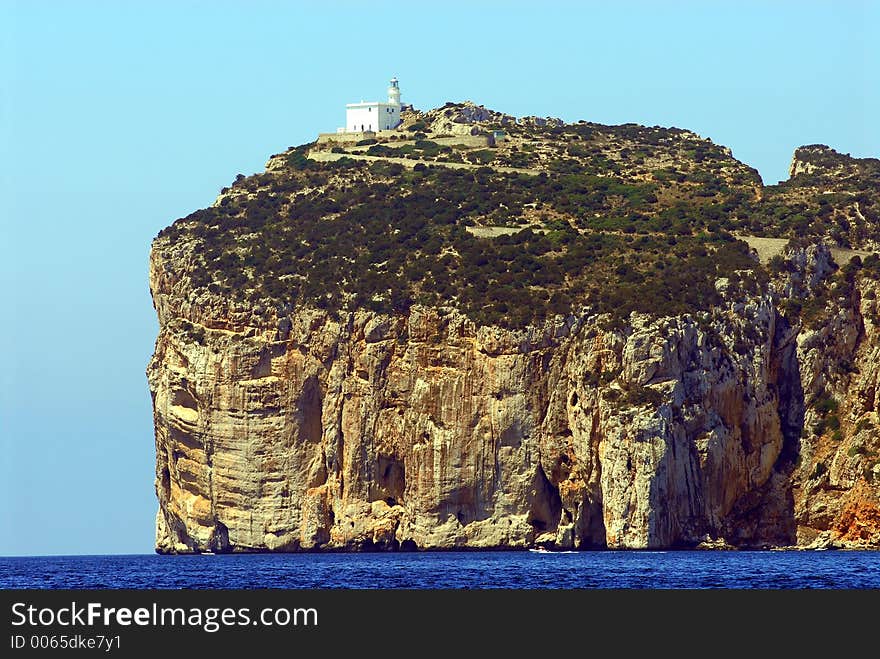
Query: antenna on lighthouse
pixel 394 92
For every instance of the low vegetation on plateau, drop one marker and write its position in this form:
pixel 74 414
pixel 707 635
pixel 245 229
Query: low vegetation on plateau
pixel 614 218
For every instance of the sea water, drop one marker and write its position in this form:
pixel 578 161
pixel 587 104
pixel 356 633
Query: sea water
pixel 444 570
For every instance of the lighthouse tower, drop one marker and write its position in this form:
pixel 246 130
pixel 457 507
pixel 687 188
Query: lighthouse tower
pixel 394 92
pixel 367 117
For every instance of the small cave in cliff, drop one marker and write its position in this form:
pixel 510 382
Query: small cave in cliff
pixel 219 541
pixel 389 481
pixel 369 545
pixel 592 524
pixel 546 503
pixel 184 398
pixel 165 484
pixel 310 406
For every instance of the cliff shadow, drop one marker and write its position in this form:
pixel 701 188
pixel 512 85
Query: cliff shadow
pixel 765 516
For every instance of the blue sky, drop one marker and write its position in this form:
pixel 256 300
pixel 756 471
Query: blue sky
pixel 117 118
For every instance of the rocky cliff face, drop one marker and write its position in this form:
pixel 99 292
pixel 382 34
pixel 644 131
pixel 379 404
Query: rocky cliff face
pixel 835 487
pixel 338 363
pixel 424 431
pixel 826 164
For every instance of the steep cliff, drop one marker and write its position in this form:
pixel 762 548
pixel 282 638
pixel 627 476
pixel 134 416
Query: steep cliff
pixel 717 416
pixel 835 487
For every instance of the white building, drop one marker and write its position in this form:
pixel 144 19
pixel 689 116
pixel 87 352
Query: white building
pixel 374 116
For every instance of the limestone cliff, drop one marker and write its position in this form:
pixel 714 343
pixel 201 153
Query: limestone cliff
pixel 836 494
pixel 425 431
pixel 286 428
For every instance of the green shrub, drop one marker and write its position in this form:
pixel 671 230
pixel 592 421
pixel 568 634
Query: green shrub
pixel 381 150
pixel 640 395
pixel 480 157
pixel 825 405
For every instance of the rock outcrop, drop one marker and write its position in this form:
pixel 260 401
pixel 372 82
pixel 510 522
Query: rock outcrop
pixel 296 428
pixel 466 118
pixel 833 167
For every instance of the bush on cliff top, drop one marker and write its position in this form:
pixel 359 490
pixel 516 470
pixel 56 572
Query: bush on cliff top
pixel 396 237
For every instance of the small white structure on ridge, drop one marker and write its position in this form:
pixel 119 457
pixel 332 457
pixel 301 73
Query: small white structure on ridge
pixel 374 116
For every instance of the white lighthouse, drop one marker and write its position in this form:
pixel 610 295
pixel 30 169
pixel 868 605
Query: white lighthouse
pixel 394 92
pixel 374 116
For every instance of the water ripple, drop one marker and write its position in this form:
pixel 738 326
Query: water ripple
pixel 443 570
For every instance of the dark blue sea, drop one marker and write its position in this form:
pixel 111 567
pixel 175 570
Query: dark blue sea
pixel 454 570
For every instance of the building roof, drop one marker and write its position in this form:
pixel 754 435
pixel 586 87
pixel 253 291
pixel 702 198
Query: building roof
pixel 364 104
